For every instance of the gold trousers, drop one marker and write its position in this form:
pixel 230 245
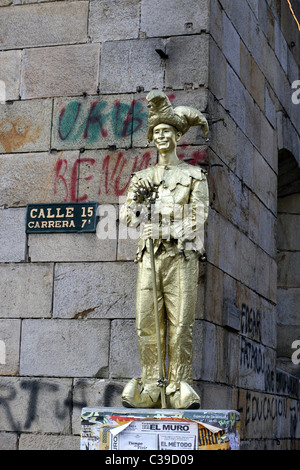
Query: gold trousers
pixel 177 281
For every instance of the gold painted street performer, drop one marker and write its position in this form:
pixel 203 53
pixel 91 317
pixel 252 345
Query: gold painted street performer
pixel 170 200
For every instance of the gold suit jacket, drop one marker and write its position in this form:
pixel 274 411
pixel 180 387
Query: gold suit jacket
pixel 180 210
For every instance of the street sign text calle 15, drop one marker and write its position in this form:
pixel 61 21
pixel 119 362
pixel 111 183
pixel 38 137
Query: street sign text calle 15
pixel 63 217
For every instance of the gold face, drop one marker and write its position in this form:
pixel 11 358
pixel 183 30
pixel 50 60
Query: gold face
pixel 165 137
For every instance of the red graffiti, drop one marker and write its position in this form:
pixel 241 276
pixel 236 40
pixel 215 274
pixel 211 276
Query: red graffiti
pixel 114 172
pixel 75 178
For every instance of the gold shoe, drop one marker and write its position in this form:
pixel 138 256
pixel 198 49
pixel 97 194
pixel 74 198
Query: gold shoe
pixel 133 398
pixel 185 398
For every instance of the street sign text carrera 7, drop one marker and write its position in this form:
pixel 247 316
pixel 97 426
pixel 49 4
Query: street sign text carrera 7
pixel 59 218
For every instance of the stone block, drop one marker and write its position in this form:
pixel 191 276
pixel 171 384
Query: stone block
pixel 41 25
pixel 48 442
pixel 235 98
pixel 229 197
pixel 223 245
pixel 195 49
pixel 264 182
pixel 12 235
pixel 21 283
pixel 60 348
pixel 96 122
pixel 256 363
pixel 205 355
pixel 159 19
pixel 10 68
pixel 268 147
pixel 8 440
pixel 60 71
pixel 244 159
pixel 97 392
pixel 217 70
pixel 215 23
pixel 94 290
pixel 257 84
pixel 128 65
pixel 253 117
pixel 270 106
pixel 288 232
pixel 35 405
pixel 289 204
pixel 71 247
pixel 215 396
pixel 268 321
pixel 124 352
pixel 262 225
pixel 281 47
pixel 10 345
pixel 287 306
pixel 213 295
pixel 269 68
pixel 38 178
pixel 230 43
pixel 113 20
pixel 127 242
pixel 25 126
pixel 288 269
pixel 223 138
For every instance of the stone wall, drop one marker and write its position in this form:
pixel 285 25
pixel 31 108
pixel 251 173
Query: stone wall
pixel 252 70
pixel 73 127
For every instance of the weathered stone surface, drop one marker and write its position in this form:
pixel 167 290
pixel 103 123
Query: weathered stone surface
pixel 288 269
pixel 231 43
pixel 18 291
pixel 81 346
pixel 214 394
pixel 228 195
pixel 10 67
pixel 33 405
pixel 288 232
pixel 60 71
pixel 38 178
pixel 8 441
pixel 195 51
pixel 288 306
pixel 235 98
pixel 25 126
pixel 48 442
pixel 223 138
pixel 124 353
pixel 264 182
pixel 71 247
pixel 159 18
pixel 40 25
pixel 10 340
pixel 12 235
pixel 126 65
pixel 96 122
pixel 112 20
pixel 94 290
pixel 218 66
